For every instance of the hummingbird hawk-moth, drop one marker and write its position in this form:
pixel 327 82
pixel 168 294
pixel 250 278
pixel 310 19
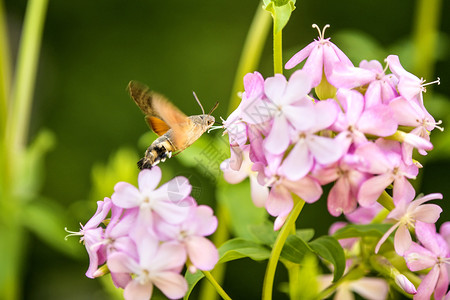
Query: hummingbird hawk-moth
pixel 176 131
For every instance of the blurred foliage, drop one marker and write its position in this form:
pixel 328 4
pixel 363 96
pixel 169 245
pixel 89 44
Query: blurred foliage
pixel 92 49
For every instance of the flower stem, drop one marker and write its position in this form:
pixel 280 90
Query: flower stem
pixel 5 70
pixel 218 288
pixel 386 200
pixel 277 52
pixel 251 53
pixel 25 75
pixel 278 246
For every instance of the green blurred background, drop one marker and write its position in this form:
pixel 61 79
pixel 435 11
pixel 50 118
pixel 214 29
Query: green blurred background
pixel 92 49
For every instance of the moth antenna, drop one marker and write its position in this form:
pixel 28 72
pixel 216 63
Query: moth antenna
pixel 214 108
pixel 198 101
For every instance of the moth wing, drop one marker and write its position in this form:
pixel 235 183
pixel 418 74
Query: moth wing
pixel 157 125
pixel 144 99
pixel 174 118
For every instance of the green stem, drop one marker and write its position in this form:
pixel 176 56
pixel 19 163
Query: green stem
pixel 428 15
pixel 278 246
pixel 277 52
pixel 5 70
pixel 25 75
pixel 386 200
pixel 251 53
pixel 217 286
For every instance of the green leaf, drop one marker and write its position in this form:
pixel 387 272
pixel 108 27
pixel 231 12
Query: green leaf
pixel 264 233
pixel 237 199
pixel 192 280
pixel 359 230
pixel 281 12
pixel 329 249
pixel 46 220
pixel 239 248
pixel 295 249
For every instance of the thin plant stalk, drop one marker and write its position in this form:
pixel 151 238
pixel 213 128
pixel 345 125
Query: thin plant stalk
pixel 217 286
pixel 285 231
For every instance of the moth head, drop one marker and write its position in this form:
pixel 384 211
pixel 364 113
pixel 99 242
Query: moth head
pixel 208 120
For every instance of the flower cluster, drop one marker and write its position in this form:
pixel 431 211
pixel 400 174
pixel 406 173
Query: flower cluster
pixel 353 127
pixel 150 234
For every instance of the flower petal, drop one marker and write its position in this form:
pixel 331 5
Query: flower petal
pixel 402 239
pixel 372 188
pixel 279 201
pixel 278 140
pixel 298 163
pixel 324 149
pixel 428 284
pixel 202 252
pixel 126 195
pixel 172 284
pixel 136 291
pixel 148 179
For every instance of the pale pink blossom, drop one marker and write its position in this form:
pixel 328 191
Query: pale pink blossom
pixel 309 147
pixel 381 88
pixel 285 96
pixel 370 288
pixel 342 197
pixel 433 253
pixel 384 159
pixel 191 234
pixel 92 235
pixel 409 85
pixel 405 284
pixel 406 213
pixel 163 201
pixel 156 264
pixel 357 119
pixel 322 56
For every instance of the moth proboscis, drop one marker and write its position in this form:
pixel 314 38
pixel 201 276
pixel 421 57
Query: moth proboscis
pixel 176 131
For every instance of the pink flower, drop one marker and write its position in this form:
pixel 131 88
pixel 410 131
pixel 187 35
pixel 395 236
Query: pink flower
pixel 409 85
pixel 358 119
pixel 406 213
pixel 157 265
pixel 435 254
pixel 381 88
pixel 322 56
pixel 384 159
pixel 410 113
pixel 163 201
pixel 370 288
pixel 191 234
pixel 405 284
pixel 309 146
pixel 285 96
pixel 92 236
pixel 280 202
pixel 342 197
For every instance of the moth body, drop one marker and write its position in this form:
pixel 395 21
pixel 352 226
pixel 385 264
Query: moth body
pixel 176 130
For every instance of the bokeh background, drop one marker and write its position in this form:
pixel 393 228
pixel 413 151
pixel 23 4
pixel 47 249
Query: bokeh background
pixel 92 49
